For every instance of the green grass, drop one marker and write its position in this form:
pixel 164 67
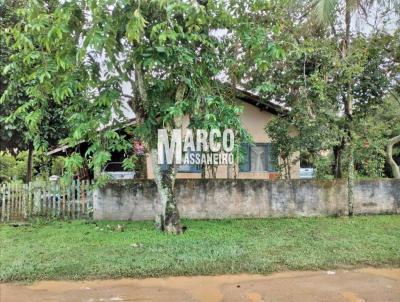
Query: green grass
pixel 80 249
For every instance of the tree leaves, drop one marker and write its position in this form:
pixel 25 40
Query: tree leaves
pixel 73 162
pixel 135 27
pixel 325 10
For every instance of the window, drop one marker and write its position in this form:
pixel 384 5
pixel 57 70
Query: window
pixel 183 168
pixel 190 168
pixel 258 158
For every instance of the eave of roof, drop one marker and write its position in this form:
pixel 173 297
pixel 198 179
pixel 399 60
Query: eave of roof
pixel 255 100
pixel 64 148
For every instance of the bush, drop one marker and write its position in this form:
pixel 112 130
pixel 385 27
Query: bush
pixel 57 166
pixel 323 166
pixel 7 166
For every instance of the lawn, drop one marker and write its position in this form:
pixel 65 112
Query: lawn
pixel 86 249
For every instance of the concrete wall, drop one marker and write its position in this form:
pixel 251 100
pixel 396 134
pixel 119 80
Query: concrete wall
pixel 133 200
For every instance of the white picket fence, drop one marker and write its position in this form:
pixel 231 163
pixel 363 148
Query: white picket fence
pixel 45 199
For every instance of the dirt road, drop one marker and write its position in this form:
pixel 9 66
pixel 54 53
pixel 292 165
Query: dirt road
pixel 355 286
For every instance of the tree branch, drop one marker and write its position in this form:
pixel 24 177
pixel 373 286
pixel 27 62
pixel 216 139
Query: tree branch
pixel 395 168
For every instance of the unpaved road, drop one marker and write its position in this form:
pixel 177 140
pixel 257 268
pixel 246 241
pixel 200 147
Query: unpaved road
pixel 368 284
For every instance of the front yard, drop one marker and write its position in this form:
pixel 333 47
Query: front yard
pixel 86 249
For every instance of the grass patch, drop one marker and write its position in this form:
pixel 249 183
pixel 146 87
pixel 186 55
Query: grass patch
pixel 84 249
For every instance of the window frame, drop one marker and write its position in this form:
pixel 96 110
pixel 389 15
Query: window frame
pixel 267 164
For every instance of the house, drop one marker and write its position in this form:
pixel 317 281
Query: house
pixel 258 162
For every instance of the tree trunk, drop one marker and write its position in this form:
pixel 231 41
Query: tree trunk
pixel 395 168
pixel 167 213
pixel 286 166
pixel 29 165
pixel 289 168
pixel 350 180
pixel 337 153
pixel 350 150
pixel 349 116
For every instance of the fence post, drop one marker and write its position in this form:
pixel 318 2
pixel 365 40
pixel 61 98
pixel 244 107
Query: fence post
pixel 14 202
pixel 16 197
pixel 8 204
pixel 30 199
pixel 11 201
pixel 68 188
pixel 40 195
pixel 58 197
pixel 53 198
pixel 43 208
pixel 90 198
pixel 88 189
pixel 35 198
pixel 3 202
pixel 24 202
pixel 83 197
pixel 73 193
pixel 49 199
pixel 78 197
pixel 62 198
pixel 21 200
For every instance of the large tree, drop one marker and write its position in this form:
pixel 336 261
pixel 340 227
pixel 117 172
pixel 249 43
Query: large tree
pixel 331 13
pixel 163 59
pixel 331 79
pixel 16 132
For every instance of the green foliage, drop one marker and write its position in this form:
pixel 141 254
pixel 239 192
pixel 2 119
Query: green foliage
pixel 135 26
pixel 73 163
pixel 11 134
pixel 287 143
pixel 312 82
pixel 164 50
pixel 29 113
pixel 326 10
pixel 14 167
pixel 323 167
pixel 170 54
pixel 7 166
pixel 129 163
pixel 373 133
pixel 58 166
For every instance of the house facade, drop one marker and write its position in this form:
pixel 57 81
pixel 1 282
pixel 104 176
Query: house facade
pixel 259 160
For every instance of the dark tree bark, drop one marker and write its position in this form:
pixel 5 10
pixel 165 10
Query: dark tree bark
pixel 337 153
pixel 167 213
